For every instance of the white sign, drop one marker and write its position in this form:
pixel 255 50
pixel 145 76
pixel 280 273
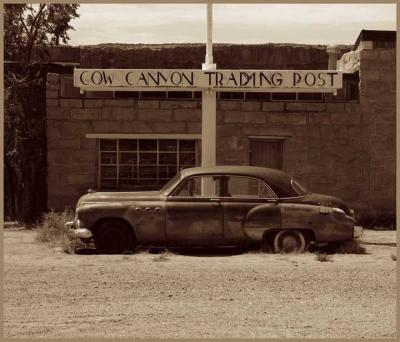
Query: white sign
pixel 222 80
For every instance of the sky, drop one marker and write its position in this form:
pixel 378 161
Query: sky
pixel 232 23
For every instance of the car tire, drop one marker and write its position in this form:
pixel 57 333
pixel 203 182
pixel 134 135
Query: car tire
pixel 289 241
pixel 114 237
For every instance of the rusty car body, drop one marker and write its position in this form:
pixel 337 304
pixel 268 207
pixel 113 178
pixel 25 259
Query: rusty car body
pixel 215 206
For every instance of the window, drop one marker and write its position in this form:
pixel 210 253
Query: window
pixel 201 186
pixel 248 187
pixel 143 163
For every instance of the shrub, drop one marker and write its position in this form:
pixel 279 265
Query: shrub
pixel 323 257
pixel 350 247
pixel 51 230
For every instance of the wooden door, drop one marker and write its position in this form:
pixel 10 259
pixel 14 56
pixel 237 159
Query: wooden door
pixel 266 153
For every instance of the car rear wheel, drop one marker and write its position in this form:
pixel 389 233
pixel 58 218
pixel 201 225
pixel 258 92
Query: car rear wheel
pixel 289 241
pixel 114 237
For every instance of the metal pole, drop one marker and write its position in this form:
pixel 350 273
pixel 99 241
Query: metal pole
pixel 209 111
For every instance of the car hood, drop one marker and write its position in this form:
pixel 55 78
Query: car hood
pixel 323 200
pixel 103 197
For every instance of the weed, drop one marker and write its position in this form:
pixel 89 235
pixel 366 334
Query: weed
pixel 394 258
pixel 323 257
pixel 51 230
pixel 162 257
pixel 350 247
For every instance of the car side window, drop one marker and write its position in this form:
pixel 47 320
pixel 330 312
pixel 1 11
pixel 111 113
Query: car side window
pixel 199 186
pixel 248 187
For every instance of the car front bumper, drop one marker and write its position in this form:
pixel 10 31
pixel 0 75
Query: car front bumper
pixel 358 231
pixel 82 233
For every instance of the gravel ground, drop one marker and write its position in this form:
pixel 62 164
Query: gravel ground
pixel 226 294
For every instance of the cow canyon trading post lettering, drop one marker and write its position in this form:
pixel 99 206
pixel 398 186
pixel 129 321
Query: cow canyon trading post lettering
pixel 221 79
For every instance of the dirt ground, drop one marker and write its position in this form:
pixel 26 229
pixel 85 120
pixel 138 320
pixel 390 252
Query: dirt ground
pixel 48 293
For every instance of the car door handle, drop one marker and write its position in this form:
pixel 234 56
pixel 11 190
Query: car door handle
pixel 214 199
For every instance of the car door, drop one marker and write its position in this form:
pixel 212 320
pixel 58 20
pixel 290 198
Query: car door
pixel 240 195
pixel 194 214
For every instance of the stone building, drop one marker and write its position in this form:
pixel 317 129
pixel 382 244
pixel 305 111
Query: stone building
pixel 343 145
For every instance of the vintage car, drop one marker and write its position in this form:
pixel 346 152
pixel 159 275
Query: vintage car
pixel 215 206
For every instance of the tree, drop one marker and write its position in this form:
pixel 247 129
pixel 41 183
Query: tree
pixel 28 28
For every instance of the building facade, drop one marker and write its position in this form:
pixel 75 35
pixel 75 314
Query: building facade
pixel 343 145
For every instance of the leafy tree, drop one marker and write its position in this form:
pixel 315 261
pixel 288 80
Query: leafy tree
pixel 28 29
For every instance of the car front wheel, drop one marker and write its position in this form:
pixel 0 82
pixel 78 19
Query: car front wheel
pixel 114 237
pixel 289 241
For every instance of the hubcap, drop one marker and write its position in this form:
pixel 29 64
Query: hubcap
pixel 289 243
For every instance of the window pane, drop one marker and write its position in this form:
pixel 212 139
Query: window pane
pixel 127 172
pixel 258 96
pixel 148 159
pixel 248 187
pixel 283 96
pixel 153 95
pixel 148 172
pixel 167 145
pixel 234 95
pixel 148 145
pixel 128 145
pixel 187 145
pixel 166 171
pixel 108 158
pixel 98 94
pixel 310 96
pixel 127 94
pixel 206 186
pixel 187 159
pixel 128 158
pixel 180 94
pixel 109 183
pixel 108 172
pixel 167 158
pixel 108 145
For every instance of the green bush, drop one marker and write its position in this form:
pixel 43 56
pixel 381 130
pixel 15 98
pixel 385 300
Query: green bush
pixel 51 230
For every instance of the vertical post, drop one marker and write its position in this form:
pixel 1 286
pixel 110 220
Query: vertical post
pixel 209 111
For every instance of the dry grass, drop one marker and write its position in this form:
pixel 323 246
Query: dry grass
pixel 164 256
pixel 51 231
pixel 350 247
pixel 323 257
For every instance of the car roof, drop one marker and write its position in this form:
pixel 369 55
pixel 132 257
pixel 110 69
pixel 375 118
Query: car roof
pixel 278 180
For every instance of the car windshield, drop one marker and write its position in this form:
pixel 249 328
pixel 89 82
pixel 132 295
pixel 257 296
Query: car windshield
pixel 167 186
pixel 298 188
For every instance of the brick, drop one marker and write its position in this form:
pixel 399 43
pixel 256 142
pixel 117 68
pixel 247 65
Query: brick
pixel 273 106
pixel 345 118
pixel 322 118
pixel 118 113
pixel 71 103
pixel 65 143
pixel 251 106
pixel 74 128
pixel 304 107
pixel 85 113
pixel 52 94
pixel 93 103
pixel 187 114
pixel 148 104
pixel 137 127
pixel 178 104
pixel 334 132
pixel 155 115
pixel 228 105
pixel 170 127
pixel 58 113
pixel 118 103
pixel 88 145
pixel 243 117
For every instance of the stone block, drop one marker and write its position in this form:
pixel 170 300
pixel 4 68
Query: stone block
pixel 387 55
pixel 71 103
pixel 322 118
pixel 148 104
pixel 75 179
pixel 193 127
pixel 106 126
pixel 228 105
pixel 74 128
pixel 244 117
pixel 273 106
pixel 345 118
pixel 52 94
pixel 304 107
pixel 85 113
pixel 287 118
pixel 137 127
pixel 58 113
pixel 89 145
pixel 335 107
pixel 187 114
pixel 65 143
pixel 118 103
pixel 52 103
pixel 178 104
pixel 334 132
pixel 170 127
pixel 155 114
pixel 251 106
pixel 93 103
pixel 227 130
pixel 118 113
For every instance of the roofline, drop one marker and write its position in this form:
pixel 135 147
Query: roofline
pixel 373 32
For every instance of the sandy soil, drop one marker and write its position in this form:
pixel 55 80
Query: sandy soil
pixel 51 294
